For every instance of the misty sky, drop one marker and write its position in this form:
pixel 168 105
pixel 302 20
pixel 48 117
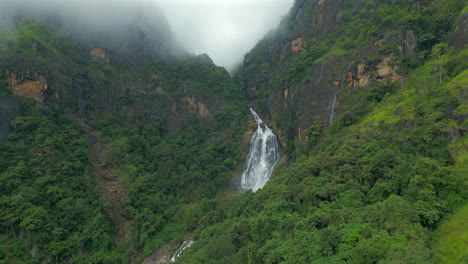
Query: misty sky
pixel 225 29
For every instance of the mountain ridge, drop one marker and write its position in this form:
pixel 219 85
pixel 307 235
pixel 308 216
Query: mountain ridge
pixel 367 98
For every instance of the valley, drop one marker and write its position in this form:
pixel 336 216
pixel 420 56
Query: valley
pixel 342 137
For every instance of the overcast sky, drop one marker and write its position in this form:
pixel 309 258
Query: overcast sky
pixel 224 29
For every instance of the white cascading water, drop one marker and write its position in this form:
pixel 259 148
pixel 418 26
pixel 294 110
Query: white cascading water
pixel 262 158
pixel 186 244
pixel 332 113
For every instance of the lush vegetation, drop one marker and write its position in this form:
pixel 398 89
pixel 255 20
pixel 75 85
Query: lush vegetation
pixel 363 23
pixel 374 187
pixel 53 206
pixel 449 240
pixel 50 206
pixel 169 177
pixel 371 191
pixel 384 183
pixel 54 203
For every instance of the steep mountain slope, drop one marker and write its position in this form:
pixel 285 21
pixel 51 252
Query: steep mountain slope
pixel 371 173
pixel 323 49
pixel 368 193
pixel 106 142
pixel 116 145
pixel 92 82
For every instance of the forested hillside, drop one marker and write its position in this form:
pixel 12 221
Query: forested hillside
pixel 116 152
pixel 107 154
pixel 299 72
pixel 369 192
pixel 367 180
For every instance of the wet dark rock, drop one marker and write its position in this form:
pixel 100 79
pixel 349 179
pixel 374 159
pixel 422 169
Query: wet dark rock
pixel 460 35
pixel 9 110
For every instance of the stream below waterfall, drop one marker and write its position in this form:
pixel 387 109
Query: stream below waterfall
pixel 186 244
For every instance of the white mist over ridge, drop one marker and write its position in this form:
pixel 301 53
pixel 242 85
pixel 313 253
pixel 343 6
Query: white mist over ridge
pixel 119 25
pixel 87 15
pixel 262 158
pixel 223 29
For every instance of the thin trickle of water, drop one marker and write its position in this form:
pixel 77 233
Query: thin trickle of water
pixel 186 244
pixel 332 114
pixel 319 80
pixel 262 158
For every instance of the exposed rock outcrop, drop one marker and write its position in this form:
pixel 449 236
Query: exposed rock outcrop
pixel 298 45
pixel 100 90
pixel 386 69
pixel 99 55
pixel 29 85
pixel 295 106
pixel 197 107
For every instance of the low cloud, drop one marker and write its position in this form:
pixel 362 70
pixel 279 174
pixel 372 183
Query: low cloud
pixel 224 29
pixel 117 24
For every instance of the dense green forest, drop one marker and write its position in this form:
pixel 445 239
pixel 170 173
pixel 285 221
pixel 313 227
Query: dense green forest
pixel 98 172
pixel 368 192
pixel 49 198
pixel 51 203
pixel 54 204
pixel 375 185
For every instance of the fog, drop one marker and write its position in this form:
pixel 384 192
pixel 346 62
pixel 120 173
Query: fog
pixel 115 24
pixel 224 29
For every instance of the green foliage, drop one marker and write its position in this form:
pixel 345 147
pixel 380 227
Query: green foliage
pixel 4 89
pixel 160 168
pixel 192 75
pixel 7 38
pixel 362 25
pixel 39 40
pixel 372 189
pixel 431 24
pixel 450 238
pixel 173 175
pixel 48 199
pixel 361 100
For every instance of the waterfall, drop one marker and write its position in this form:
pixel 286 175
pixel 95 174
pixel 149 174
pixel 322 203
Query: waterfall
pixel 319 80
pixel 262 158
pixel 185 245
pixel 332 114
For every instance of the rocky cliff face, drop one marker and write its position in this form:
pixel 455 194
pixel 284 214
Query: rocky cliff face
pixel 460 35
pixel 91 83
pixel 27 85
pixel 318 42
pixel 294 77
pixel 109 89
